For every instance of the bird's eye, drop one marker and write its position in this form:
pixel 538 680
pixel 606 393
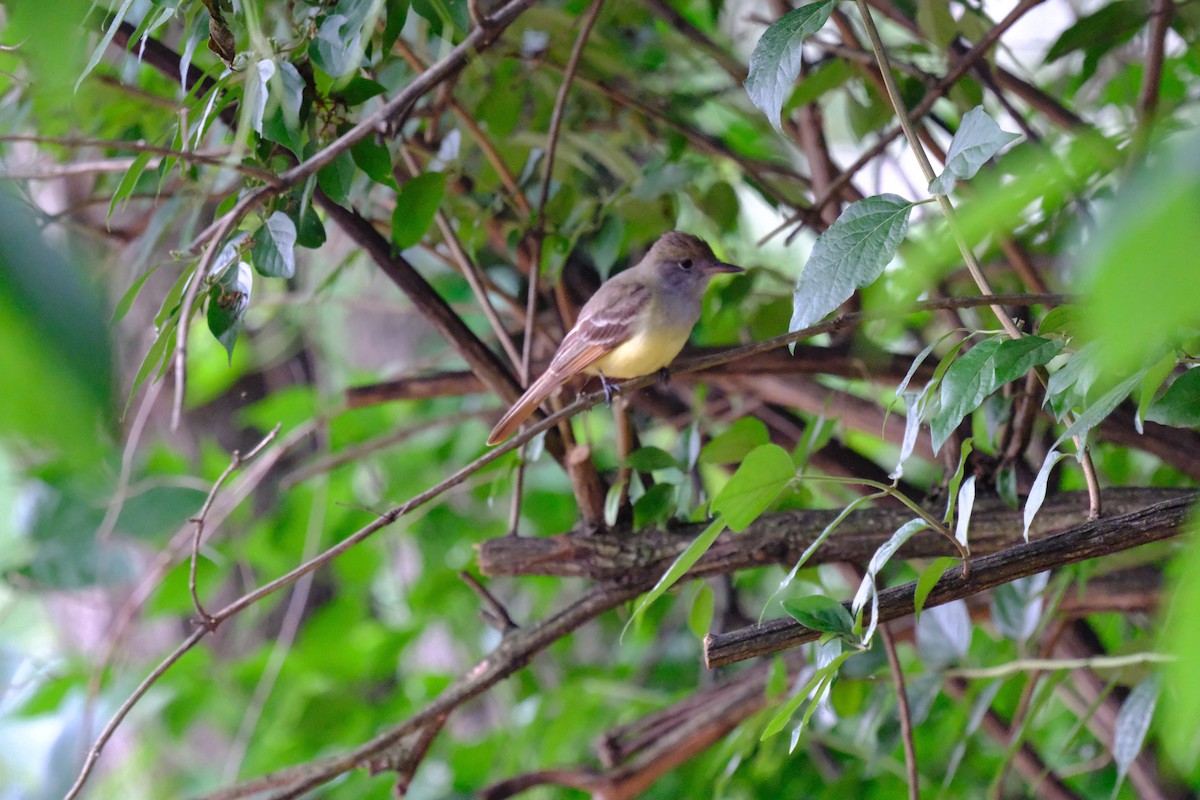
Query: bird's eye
pixel 686 263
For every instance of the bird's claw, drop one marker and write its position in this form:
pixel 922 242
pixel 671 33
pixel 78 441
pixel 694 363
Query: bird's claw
pixel 664 376
pixel 610 389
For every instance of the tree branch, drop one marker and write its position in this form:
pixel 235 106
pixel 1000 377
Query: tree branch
pixel 781 538
pixel 1091 540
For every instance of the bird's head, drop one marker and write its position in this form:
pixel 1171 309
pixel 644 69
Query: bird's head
pixel 686 262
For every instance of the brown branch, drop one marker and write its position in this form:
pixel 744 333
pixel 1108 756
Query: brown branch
pixel 585 480
pixel 1091 540
pixel 1160 23
pixel 425 299
pixel 514 652
pixel 781 538
pixel 808 360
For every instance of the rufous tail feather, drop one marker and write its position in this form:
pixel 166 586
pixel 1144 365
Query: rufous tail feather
pixel 521 410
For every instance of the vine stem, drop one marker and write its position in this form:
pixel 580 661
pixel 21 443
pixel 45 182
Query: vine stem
pixel 906 727
pixel 892 491
pixel 889 80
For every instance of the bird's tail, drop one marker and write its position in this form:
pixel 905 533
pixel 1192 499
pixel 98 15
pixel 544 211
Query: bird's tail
pixel 537 392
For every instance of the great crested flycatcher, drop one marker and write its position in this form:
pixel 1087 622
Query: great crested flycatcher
pixel 635 323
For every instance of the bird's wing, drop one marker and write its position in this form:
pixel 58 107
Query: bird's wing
pixel 605 321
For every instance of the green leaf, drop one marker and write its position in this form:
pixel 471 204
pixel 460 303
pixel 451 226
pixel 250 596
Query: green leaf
pixel 700 615
pixel 1180 405
pixel 720 204
pixel 936 22
pixel 733 445
pixel 977 140
pixel 648 459
pixel 126 302
pixel 281 123
pixel 815 687
pixel 1069 385
pixel 274 248
pixel 969 380
pixel 1133 722
pixel 683 562
pixel 1098 410
pixel 338 46
pixel 754 486
pixel 956 479
pixel 1140 262
pixel 335 177
pixel 850 254
pixel 129 181
pixel 1153 379
pixel 359 90
pixel 416 205
pixel 105 40
pixel 775 62
pixel 1017 356
pixel 227 303
pixel 373 159
pixel 912 427
pixel 827 76
pixel 56 360
pixel 1063 320
pixel 1110 25
pixel 655 505
pixel 928 579
pixel 397 14
pixel 820 613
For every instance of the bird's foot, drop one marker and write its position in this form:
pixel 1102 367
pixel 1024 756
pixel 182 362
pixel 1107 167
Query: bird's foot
pixel 610 389
pixel 664 377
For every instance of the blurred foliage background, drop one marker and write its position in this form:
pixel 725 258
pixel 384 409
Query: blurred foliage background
pixel 303 233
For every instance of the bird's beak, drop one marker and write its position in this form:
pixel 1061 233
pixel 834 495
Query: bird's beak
pixel 721 266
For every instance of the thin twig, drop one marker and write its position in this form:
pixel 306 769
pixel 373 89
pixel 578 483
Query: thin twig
pixel 98 747
pixel 494 613
pixel 906 728
pixel 1052 664
pixel 235 463
pixel 469 270
pixel 538 233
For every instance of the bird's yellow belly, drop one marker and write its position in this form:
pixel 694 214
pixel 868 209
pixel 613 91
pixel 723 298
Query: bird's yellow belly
pixel 641 354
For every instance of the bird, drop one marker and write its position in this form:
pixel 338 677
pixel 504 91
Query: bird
pixel 635 324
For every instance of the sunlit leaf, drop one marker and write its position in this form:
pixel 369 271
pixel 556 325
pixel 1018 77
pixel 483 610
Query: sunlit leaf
pixel 754 486
pixel 732 446
pixel 679 567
